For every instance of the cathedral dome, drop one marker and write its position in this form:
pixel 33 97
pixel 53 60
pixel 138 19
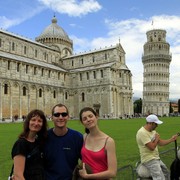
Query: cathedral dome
pixel 54 35
pixel 54 31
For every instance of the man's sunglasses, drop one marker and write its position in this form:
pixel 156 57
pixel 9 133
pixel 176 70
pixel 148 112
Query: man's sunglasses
pixel 63 114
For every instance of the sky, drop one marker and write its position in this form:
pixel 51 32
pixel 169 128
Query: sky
pixel 94 24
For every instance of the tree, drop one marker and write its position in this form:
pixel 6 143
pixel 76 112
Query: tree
pixel 179 106
pixel 170 108
pixel 138 106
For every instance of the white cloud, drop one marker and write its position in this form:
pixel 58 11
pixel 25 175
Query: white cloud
pixel 79 43
pixel 5 22
pixel 15 18
pixel 73 7
pixel 132 34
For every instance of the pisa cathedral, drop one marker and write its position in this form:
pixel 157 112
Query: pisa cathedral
pixel 44 72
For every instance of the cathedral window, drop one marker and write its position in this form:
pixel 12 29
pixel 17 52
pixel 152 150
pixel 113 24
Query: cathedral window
pixel 66 95
pixel 45 56
pixel 83 96
pixel 13 46
pixel 87 74
pixel 49 74
pixel 5 89
pixel 0 42
pixel 105 56
pixel 54 94
pixel 36 53
pixel 80 77
pixel 94 74
pixel 40 92
pixel 24 91
pixel 151 39
pixel 82 61
pixel 18 65
pixel 9 46
pixel 102 74
pixel 72 63
pixel 35 70
pixel 27 68
pixel 8 65
pixel 93 58
pixel 25 50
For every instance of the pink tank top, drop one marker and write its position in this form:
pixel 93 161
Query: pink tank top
pixel 96 160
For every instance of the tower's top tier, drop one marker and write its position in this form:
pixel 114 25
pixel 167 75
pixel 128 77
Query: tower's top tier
pixel 156 35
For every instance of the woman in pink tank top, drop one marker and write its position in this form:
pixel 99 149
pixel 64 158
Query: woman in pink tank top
pixel 98 151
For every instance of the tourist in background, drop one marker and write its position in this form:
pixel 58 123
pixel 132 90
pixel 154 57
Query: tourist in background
pixel 27 150
pixel 148 140
pixel 98 151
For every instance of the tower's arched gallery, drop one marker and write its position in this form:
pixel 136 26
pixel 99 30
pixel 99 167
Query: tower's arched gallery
pixel 41 73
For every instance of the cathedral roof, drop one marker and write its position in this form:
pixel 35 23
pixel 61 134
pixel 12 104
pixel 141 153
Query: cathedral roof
pixel 123 66
pixel 54 31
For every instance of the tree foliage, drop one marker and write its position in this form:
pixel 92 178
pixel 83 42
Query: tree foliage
pixel 170 108
pixel 179 106
pixel 138 106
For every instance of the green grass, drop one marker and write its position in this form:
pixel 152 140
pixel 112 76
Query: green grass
pixel 123 132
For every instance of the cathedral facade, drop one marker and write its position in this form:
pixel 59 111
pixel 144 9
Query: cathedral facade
pixel 44 72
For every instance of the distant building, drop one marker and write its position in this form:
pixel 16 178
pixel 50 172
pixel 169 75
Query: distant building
pixel 156 61
pixel 174 107
pixel 42 73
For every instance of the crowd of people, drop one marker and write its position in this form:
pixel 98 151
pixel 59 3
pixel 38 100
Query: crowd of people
pixel 42 153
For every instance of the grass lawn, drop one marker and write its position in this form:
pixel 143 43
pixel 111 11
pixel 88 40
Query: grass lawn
pixel 123 132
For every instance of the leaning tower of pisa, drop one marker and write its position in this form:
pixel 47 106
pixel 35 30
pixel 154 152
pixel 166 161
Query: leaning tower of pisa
pixel 156 61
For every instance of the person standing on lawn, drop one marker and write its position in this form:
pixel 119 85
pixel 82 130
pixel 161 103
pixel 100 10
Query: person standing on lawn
pixel 27 150
pixel 63 147
pixel 98 151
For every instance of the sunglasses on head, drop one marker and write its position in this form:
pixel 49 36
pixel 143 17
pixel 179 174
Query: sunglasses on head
pixel 63 114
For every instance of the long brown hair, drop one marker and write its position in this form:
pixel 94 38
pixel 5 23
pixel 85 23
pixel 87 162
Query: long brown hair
pixel 42 134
